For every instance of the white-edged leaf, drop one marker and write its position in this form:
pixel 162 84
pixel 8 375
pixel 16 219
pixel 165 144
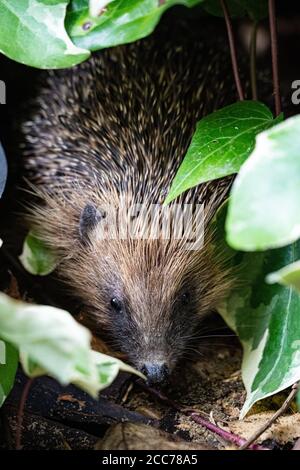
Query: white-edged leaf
pixel 264 205
pixel 51 342
pixel 97 6
pixel 8 367
pixel 37 258
pixel 265 318
pixel 33 32
pixel 287 276
pixel 120 22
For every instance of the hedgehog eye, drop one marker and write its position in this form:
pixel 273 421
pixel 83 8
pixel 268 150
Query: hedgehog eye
pixel 116 304
pixel 185 298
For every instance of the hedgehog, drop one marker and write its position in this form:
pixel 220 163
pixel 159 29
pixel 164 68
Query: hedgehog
pixel 113 131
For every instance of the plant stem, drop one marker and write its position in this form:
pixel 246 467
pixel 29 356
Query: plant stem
pixel 227 436
pixel 232 51
pixel 24 397
pixel 197 418
pixel 253 60
pixel 274 51
pixel 271 421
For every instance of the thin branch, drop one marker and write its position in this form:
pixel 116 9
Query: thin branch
pixel 274 50
pixel 20 416
pixel 253 77
pixel 271 421
pixel 197 418
pixel 232 51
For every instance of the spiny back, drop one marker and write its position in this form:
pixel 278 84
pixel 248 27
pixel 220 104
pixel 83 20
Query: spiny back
pixel 126 117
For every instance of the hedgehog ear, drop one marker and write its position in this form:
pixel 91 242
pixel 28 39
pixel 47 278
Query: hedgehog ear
pixel 89 218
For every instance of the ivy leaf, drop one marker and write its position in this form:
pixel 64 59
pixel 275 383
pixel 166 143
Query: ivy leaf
pixel 8 367
pixel 265 318
pixel 222 142
pixel 3 170
pixel 33 32
pixel 37 258
pixel 264 206
pixel 96 6
pixel 107 369
pixel 51 342
pixel 119 23
pixel 287 276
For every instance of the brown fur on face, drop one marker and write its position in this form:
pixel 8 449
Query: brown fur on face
pixel 164 289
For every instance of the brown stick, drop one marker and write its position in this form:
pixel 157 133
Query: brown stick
pixel 232 50
pixel 274 51
pixel 24 397
pixel 253 61
pixel 271 421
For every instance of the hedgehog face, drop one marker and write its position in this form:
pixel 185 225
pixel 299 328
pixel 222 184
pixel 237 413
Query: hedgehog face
pixel 152 325
pixel 151 296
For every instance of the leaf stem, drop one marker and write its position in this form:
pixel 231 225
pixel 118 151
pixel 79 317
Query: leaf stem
pixel 20 416
pixel 274 52
pixel 253 61
pixel 271 421
pixel 197 418
pixel 232 50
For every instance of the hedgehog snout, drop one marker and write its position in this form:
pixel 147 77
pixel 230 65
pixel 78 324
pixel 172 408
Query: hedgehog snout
pixel 156 372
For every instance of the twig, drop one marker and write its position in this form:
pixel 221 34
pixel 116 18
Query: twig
pixel 271 421
pixel 20 416
pixel 274 51
pixel 232 50
pixel 253 60
pixel 195 416
pixel 227 436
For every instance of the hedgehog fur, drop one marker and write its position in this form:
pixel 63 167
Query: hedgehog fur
pixel 116 128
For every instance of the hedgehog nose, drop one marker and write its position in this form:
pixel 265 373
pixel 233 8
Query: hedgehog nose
pixel 156 373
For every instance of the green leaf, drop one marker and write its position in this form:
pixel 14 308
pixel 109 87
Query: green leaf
pixel 287 276
pixel 51 342
pixel 97 6
pixel 222 142
pixel 264 206
pixel 120 22
pixel 8 367
pixel 107 369
pixel 36 258
pixel 257 10
pixel 265 318
pixel 33 32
